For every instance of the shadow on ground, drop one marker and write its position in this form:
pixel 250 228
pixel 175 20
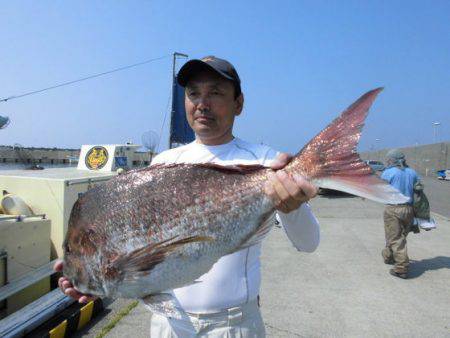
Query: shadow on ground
pixel 417 268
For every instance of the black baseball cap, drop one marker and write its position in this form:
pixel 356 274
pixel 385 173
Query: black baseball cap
pixel 219 66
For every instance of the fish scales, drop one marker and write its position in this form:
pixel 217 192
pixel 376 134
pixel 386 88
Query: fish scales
pixel 223 205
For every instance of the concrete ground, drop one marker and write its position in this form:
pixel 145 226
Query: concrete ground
pixel 343 289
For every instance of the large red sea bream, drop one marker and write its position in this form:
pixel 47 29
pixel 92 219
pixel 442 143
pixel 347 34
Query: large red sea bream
pixel 162 227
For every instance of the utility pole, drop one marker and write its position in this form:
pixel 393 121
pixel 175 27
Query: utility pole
pixel 435 126
pixel 377 149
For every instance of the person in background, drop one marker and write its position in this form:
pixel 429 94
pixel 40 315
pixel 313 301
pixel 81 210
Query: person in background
pixel 398 218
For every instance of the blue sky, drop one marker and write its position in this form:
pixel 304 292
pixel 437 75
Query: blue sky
pixel 301 63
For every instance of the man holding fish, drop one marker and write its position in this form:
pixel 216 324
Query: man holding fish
pixel 225 301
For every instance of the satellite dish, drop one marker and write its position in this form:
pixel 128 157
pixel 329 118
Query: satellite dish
pixel 4 121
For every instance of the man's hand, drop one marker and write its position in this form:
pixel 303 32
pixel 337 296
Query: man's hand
pixel 287 192
pixel 68 289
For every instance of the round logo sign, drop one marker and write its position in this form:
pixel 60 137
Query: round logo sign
pixel 96 158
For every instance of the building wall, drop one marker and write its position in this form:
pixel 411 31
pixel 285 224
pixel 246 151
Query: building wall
pixel 37 155
pixel 58 156
pixel 425 159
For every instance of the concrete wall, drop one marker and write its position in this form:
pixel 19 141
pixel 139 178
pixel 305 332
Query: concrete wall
pixel 425 159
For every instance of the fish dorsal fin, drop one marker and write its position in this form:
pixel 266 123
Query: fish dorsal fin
pixel 144 259
pixel 235 168
pixel 267 223
pixel 232 168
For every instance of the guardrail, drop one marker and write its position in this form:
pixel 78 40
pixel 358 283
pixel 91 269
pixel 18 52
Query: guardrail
pixel 87 180
pixel 19 218
pixel 26 280
pixel 34 314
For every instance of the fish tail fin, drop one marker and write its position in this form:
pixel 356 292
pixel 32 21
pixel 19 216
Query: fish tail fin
pixel 330 159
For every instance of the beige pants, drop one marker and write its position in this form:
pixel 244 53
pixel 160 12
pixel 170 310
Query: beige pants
pixel 397 220
pixel 238 322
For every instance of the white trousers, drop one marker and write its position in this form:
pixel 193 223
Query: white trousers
pixel 238 322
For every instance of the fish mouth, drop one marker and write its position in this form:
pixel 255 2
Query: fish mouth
pixel 90 289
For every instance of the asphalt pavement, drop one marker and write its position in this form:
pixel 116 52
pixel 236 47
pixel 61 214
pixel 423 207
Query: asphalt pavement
pixel 343 289
pixel 438 193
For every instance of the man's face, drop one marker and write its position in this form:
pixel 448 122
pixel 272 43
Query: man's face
pixel 211 107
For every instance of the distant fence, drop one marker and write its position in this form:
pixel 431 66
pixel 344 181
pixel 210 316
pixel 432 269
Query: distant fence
pixel 426 159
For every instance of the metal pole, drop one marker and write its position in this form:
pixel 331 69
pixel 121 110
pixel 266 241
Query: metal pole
pixel 435 125
pixel 175 55
pixel 378 157
pixel 173 93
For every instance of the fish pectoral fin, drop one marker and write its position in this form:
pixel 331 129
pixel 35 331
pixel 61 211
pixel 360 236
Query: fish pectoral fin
pixel 164 304
pixel 146 258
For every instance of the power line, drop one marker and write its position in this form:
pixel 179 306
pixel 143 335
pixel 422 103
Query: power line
pixel 84 78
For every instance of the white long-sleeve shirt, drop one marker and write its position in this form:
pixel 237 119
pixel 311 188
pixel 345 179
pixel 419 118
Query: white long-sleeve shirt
pixel 235 279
